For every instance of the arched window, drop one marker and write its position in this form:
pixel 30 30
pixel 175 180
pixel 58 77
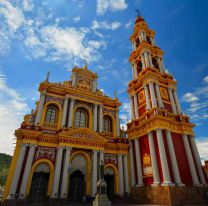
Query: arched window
pixel 139 66
pixel 155 63
pixel 107 124
pixel 148 39
pixel 81 118
pixel 51 114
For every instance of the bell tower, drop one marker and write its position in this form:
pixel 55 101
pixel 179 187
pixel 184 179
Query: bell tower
pixel 163 151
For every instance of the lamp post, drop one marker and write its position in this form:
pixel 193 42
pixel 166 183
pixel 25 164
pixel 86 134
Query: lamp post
pixel 101 198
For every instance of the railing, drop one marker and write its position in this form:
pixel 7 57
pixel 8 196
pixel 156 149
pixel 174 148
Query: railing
pixel 50 125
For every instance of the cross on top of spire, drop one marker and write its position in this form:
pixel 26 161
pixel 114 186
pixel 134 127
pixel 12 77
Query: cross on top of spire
pixel 138 12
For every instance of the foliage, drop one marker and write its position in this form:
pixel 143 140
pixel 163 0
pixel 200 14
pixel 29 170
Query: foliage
pixel 5 161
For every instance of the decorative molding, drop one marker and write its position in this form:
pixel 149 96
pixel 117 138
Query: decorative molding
pixel 55 99
pixel 158 121
pixel 46 153
pixel 110 159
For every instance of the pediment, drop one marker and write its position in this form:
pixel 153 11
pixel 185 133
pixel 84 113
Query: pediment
pixel 83 133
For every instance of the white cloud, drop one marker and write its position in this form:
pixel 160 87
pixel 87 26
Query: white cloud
pixel 105 25
pixel 76 19
pixel 28 5
pixel 45 40
pixel 205 79
pixel 112 5
pixel 189 97
pixel 202 144
pixel 13 15
pixel 12 109
pixel 128 24
pixel 69 43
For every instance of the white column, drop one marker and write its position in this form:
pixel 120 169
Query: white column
pixel 134 44
pixel 57 172
pixel 132 108
pixel 160 64
pixel 144 36
pixel 132 69
pixel 163 65
pixel 197 160
pixel 192 167
pixel 132 165
pixel 156 176
pixel 152 40
pixel 143 61
pixel 147 96
pixel 66 99
pixel 95 117
pixel 150 60
pixel 117 124
pixel 102 156
pixel 40 107
pixel 135 70
pixel 160 103
pixel 136 106
pixel 152 94
pixel 94 173
pixel 146 59
pixel 100 118
pixel 140 37
pixel 65 175
pixel 172 101
pixel 177 102
pixel 27 171
pixel 163 158
pixel 138 163
pixel 121 176
pixel 70 116
pixel 173 159
pixel 94 86
pixel 17 171
pixel 126 174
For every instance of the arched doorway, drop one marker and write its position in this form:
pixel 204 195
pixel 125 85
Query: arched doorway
pixel 39 184
pixel 78 177
pixel 77 185
pixel 109 177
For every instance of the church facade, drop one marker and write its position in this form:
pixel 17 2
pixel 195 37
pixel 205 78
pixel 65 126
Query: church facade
pixel 75 127
pixel 61 143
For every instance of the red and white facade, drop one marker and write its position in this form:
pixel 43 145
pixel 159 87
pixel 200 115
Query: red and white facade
pixel 163 151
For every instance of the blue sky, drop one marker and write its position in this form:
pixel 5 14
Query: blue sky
pixel 54 35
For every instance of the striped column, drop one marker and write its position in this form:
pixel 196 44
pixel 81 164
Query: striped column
pixel 16 175
pixel 138 163
pixel 133 182
pixel 66 99
pixel 173 159
pixel 65 176
pixel 156 176
pixel 27 171
pixel 198 161
pixel 192 167
pixel 121 175
pixel 148 106
pixel 172 101
pixel 40 107
pixel 57 172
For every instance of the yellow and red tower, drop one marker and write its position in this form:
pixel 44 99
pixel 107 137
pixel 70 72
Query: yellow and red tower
pixel 163 151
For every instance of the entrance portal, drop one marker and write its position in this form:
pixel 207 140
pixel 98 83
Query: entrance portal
pixel 110 179
pixel 39 185
pixel 77 186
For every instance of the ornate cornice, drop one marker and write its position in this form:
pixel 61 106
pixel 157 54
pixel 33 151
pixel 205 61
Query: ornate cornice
pixel 159 122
